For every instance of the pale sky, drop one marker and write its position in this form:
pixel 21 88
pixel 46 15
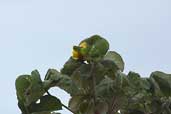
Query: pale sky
pixel 39 34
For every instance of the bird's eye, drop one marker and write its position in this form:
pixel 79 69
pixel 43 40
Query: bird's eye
pixel 76 55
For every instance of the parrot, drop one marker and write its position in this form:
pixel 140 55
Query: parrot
pixel 91 49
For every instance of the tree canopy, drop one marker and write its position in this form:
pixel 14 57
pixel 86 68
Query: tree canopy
pixel 94 78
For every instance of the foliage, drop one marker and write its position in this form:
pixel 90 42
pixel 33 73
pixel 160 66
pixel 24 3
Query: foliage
pixel 94 78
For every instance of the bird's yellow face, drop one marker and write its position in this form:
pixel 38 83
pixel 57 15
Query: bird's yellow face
pixel 75 54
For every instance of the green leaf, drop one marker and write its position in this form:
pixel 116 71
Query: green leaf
pixel 75 102
pixel 138 94
pixel 87 106
pixel 81 104
pixel 35 77
pixel 161 82
pixel 35 90
pixel 68 85
pixel 99 72
pixel 145 83
pixel 52 74
pixel 110 68
pixel 29 88
pixel 82 78
pixel 121 81
pixel 105 89
pixel 70 66
pixel 54 78
pixel 22 107
pixel 47 103
pixel 138 86
pixel 101 107
pixel 116 59
pixel 134 79
pixel 22 83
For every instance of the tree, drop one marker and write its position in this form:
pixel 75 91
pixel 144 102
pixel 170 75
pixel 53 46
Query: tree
pixel 94 78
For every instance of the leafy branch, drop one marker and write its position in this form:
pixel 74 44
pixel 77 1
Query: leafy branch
pixel 94 78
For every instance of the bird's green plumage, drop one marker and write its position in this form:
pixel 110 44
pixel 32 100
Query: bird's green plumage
pixel 92 48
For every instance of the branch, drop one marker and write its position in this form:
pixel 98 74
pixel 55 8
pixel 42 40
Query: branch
pixel 64 105
pixel 111 105
pixel 113 108
pixel 94 85
pixel 68 108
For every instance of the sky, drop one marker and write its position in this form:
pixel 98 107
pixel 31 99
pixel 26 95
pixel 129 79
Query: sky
pixel 39 34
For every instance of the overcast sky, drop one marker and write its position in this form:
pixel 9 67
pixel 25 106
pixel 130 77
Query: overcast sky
pixel 39 34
